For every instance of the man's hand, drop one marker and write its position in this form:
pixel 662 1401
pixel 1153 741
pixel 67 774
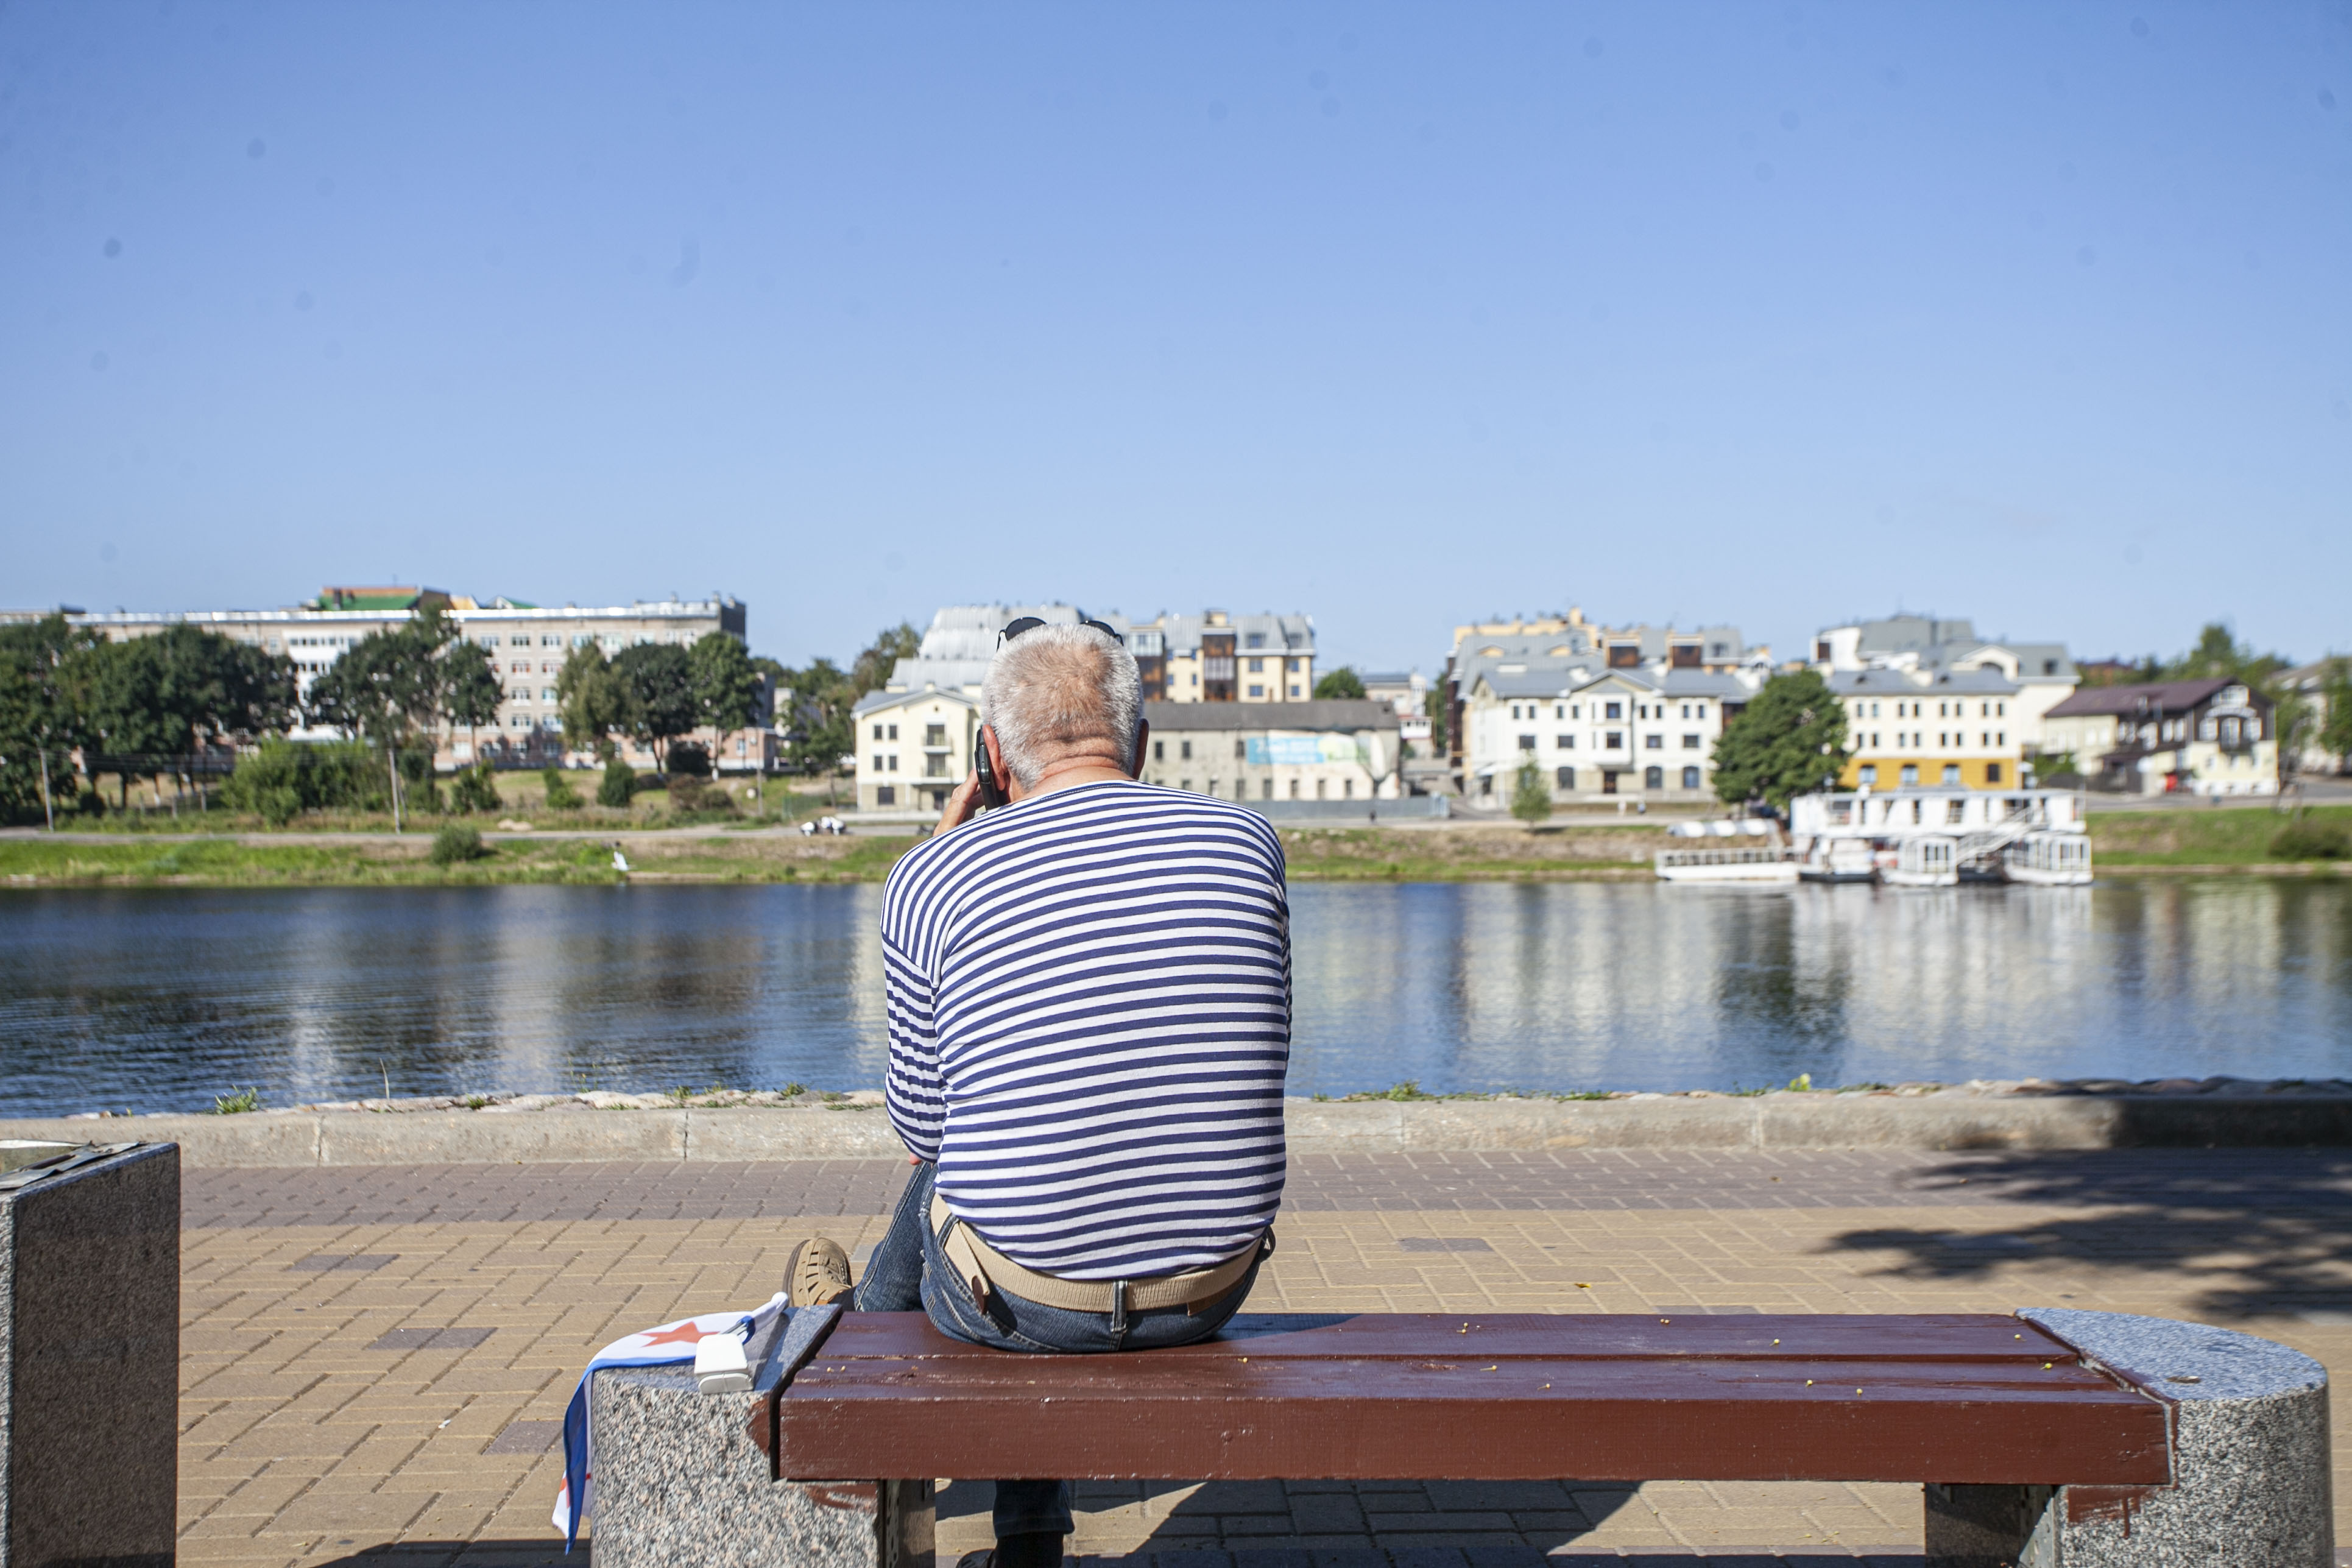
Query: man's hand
pixel 961 804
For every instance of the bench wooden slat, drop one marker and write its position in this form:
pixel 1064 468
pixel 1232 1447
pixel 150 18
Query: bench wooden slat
pixel 1953 1336
pixel 1958 1398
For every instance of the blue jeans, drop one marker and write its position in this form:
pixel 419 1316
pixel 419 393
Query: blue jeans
pixel 908 1269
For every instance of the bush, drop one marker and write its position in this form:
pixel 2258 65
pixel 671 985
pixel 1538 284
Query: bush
pixel 689 758
pixel 561 795
pixel 475 790
pixel 281 777
pixel 2308 840
pixel 618 785
pixel 691 795
pixel 456 844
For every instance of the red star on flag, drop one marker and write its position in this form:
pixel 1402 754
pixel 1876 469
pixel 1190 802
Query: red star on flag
pixel 683 1333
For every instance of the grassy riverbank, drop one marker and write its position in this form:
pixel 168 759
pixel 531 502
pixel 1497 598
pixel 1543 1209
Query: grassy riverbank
pixel 1574 851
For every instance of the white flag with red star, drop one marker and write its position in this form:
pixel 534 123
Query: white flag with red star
pixel 649 1347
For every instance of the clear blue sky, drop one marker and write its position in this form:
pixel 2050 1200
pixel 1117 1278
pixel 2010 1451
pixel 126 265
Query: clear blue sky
pixel 1396 314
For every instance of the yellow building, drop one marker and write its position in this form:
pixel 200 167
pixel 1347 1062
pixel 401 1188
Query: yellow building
pixel 1952 727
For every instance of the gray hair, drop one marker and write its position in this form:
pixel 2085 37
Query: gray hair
pixel 1056 688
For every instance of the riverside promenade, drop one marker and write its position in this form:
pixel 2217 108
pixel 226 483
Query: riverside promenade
pixel 375 1359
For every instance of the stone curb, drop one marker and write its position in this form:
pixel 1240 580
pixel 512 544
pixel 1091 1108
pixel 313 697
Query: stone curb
pixel 1952 1120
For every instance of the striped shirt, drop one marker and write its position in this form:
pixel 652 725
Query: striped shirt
pixel 1089 1011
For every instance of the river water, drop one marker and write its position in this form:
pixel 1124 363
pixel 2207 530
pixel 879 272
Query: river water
pixel 162 1000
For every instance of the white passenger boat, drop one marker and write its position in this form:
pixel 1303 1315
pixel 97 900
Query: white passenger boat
pixel 1726 852
pixel 1937 838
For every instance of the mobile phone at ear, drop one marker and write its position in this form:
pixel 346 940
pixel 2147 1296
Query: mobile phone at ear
pixel 991 794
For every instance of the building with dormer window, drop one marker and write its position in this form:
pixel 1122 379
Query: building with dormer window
pixel 2191 737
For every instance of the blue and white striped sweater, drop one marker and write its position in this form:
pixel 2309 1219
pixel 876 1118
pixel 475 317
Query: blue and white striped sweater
pixel 1090 1014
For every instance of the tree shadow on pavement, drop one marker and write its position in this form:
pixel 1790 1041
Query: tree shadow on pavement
pixel 2248 1232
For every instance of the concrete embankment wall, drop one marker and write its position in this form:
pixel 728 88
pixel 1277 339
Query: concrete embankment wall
pixel 1949 1121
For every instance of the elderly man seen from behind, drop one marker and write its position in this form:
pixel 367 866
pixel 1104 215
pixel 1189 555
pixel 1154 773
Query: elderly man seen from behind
pixel 1089 1012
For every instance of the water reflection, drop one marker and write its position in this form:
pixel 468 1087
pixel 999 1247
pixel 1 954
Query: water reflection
pixel 158 1000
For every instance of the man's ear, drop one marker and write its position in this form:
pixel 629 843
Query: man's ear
pixel 1142 739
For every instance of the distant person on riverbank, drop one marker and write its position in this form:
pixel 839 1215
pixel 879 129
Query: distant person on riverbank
pixel 1089 994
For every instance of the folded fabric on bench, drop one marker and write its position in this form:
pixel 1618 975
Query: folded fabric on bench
pixel 662 1345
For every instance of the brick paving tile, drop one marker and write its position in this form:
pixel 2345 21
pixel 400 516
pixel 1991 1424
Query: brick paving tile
pixel 303 1448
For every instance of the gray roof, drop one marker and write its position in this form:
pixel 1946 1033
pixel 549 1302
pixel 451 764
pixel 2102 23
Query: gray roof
pixel 2171 696
pixel 886 698
pixel 1347 715
pixel 1911 634
pixel 1699 683
pixel 1978 681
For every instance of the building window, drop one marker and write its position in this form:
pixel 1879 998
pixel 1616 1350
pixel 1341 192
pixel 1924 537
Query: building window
pixel 1293 788
pixel 1266 789
pixel 1992 772
pixel 1614 739
pixel 1527 743
pixel 887 794
pixel 1158 750
pixel 1870 773
pixel 1690 742
pixel 878 731
pixel 1565 743
pixel 1347 788
pixel 1257 688
pixel 1294 691
pixel 1951 773
pixel 891 763
pixel 878 762
pixel 1253 639
pixel 935 734
pixel 1653 742
pixel 1566 777
pixel 935 765
pixel 1613 710
pixel 894 732
pixel 519 721
pixel 1185 750
pixel 1910 772
pixel 1258 667
pixel 1690 778
pixel 1322 788
pixel 1654 778
pixel 1184 783
pixel 1241 750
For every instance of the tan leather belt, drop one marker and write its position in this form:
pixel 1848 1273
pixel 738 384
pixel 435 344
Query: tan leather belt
pixel 981 1267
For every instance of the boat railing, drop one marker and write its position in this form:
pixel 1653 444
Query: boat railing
pixel 1763 857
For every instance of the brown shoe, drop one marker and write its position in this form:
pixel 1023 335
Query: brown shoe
pixel 817 1274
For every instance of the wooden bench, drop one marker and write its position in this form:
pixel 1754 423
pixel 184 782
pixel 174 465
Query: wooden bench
pixel 2086 1437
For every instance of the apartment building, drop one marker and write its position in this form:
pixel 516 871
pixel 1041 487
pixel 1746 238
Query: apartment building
pixel 2041 672
pixel 1930 726
pixel 1213 656
pixel 528 644
pixel 914 747
pixel 1518 662
pixel 1596 731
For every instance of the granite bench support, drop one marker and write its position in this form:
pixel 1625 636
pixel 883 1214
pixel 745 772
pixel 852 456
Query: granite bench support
pixel 89 1354
pixel 2050 1439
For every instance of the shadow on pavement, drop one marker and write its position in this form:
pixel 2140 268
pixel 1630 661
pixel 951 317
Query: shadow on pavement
pixel 2250 1232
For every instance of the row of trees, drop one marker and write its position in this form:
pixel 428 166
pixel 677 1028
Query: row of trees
pixel 172 704
pixel 146 707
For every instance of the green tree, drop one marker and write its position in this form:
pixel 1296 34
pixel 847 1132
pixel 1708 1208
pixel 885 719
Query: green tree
pixel 594 701
pixel 873 667
pixel 40 724
pixel 1530 795
pixel 1436 707
pixel 2336 722
pixel 147 699
pixel 813 707
pixel 659 681
pixel 1790 741
pixel 394 687
pixel 1339 684
pixel 2218 655
pixel 726 685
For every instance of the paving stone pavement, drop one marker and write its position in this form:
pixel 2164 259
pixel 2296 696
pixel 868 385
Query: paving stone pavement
pixel 375 1360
